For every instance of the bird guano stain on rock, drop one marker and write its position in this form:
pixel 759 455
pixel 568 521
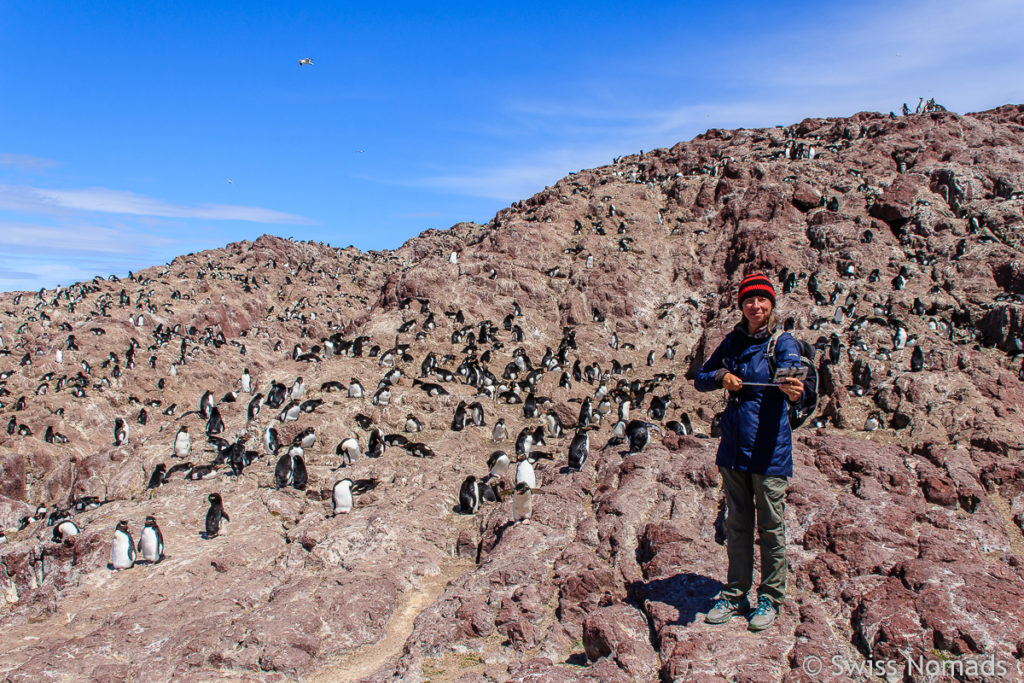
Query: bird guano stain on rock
pixel 893 244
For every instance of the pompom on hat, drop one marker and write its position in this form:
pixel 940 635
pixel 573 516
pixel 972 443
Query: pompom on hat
pixel 756 284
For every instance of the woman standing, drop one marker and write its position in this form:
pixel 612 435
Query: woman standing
pixel 755 453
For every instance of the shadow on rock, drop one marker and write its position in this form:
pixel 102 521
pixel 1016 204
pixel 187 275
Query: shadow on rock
pixel 689 594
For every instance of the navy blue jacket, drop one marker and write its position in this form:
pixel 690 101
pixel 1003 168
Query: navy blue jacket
pixel 756 436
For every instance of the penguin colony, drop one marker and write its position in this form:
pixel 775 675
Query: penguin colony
pixel 541 412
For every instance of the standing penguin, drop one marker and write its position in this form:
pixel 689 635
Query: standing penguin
pixel 283 475
pixel 348 449
pixel 182 443
pixel 554 425
pixel 246 382
pixel 206 405
pixel 120 432
pixel 214 515
pixel 270 441
pixel 376 446
pixel 525 473
pixel 498 434
pixel 579 449
pixel 157 478
pixel 499 463
pixel 344 490
pixel 151 541
pixel 522 503
pixel 215 425
pixel 122 550
pixel 254 407
pixel 917 359
pixel 355 389
pixel 459 421
pixel 469 496
pixel 639 435
pixel 299 474
pixel 476 414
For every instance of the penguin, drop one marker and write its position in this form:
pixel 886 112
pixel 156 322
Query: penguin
pixel 300 477
pixel 306 438
pixel 214 515
pixel 63 530
pixel 245 383
pixel 871 423
pixel 469 496
pixel 270 441
pixel 476 414
pixel 180 467
pixel 412 424
pixel 524 442
pixel 254 407
pixel 684 419
pixel 348 449
pixel 283 475
pixel 675 427
pixel 579 449
pixel 290 412
pixel 522 503
pixel 344 491
pixel 498 462
pixel 122 550
pixel 157 478
pixel 121 431
pixel 917 359
pixel 182 443
pixel 554 425
pixel 200 472
pixel 215 425
pixel 143 416
pixel 586 417
pixel 341 497
pixel 376 446
pixel 459 420
pixel 899 339
pixel 355 389
pixel 298 389
pixel 716 426
pixel 659 405
pixel 525 472
pixel 498 433
pixel 151 541
pixel 206 405
pixel 638 433
pixel 382 397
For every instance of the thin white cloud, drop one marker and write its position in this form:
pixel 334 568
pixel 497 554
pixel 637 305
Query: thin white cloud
pixel 25 162
pixel 78 238
pixel 103 200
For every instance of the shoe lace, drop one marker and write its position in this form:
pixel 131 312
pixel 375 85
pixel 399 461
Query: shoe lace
pixel 764 607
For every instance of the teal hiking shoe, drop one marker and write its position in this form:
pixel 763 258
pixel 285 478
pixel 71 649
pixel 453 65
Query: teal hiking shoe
pixel 763 615
pixel 725 609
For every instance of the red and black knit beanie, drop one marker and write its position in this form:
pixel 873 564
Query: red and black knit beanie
pixel 756 284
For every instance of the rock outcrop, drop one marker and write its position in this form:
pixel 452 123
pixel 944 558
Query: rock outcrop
pixel 896 244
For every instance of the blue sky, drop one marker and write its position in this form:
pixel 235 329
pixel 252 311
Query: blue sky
pixel 132 132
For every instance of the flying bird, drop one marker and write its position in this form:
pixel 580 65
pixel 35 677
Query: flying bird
pixel 305 60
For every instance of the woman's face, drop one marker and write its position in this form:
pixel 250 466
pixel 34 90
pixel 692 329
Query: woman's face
pixel 756 310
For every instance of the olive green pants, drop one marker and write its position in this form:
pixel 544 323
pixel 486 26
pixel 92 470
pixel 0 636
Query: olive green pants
pixel 748 495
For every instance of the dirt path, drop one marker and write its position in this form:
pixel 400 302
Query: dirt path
pixel 363 661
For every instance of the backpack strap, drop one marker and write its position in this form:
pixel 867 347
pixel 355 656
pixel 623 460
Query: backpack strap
pixel 769 350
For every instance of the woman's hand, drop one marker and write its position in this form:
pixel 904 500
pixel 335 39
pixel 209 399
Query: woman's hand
pixel 792 388
pixel 732 382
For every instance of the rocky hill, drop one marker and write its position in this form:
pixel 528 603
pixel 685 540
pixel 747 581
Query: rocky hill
pixel 897 247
